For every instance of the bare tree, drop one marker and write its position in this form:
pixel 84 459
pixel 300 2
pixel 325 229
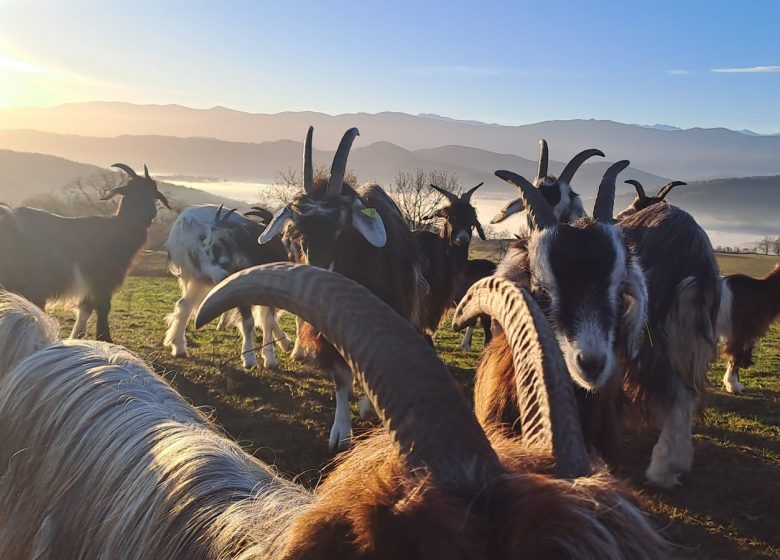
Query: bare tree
pixel 765 245
pixel 289 183
pixel 776 246
pixel 415 197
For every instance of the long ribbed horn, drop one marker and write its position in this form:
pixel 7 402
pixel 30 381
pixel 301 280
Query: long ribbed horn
pixel 146 172
pixel 663 191
pixel 412 389
pixel 541 170
pixel 548 411
pixel 339 167
pixel 447 194
pixel 466 197
pixel 126 168
pixel 575 163
pixel 538 208
pixel 308 164
pixel 640 191
pixel 604 208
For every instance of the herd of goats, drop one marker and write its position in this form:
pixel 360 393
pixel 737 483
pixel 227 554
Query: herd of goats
pixel 590 316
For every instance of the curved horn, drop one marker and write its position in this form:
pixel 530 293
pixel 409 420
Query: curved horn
pixel 548 411
pixel 640 191
pixel 126 168
pixel 447 194
pixel 512 207
pixel 541 170
pixel 604 207
pixel 226 217
pixel 339 167
pixel 663 191
pixel 412 389
pixel 218 214
pixel 308 164
pixel 261 213
pixel 146 172
pixel 466 197
pixel 571 168
pixel 538 208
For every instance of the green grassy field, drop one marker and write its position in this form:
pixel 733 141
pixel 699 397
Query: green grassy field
pixel 728 508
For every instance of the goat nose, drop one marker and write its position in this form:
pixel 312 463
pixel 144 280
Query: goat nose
pixel 591 364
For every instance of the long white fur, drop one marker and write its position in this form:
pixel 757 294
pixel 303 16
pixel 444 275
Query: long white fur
pixel 186 238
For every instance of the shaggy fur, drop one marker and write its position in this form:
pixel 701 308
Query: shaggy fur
pixel 749 307
pixel 102 459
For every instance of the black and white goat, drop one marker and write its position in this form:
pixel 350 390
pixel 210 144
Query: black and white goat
pixel 361 234
pixel 642 201
pixel 640 297
pixel 476 270
pixel 46 257
pixel 446 253
pixel 205 246
pixel 748 308
pixel 557 191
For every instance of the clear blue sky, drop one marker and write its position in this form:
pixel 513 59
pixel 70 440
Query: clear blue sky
pixel 507 62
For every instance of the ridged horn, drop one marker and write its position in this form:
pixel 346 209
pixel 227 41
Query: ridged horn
pixel 412 389
pixel 576 162
pixel 339 167
pixel 548 411
pixel 466 197
pixel 640 191
pixel 447 194
pixel 603 209
pixel 663 191
pixel 308 163
pixel 538 208
pixel 126 168
pixel 541 170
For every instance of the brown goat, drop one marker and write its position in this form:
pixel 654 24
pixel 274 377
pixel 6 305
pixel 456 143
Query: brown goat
pixel 748 308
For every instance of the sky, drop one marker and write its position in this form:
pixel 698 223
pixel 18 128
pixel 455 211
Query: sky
pixel 686 62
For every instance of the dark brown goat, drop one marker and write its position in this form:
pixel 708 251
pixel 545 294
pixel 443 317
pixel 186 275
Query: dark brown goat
pixel 476 270
pixel 46 257
pixel 748 307
pixel 642 201
pixel 446 254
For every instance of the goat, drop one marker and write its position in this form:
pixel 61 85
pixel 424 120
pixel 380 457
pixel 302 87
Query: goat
pixel 642 201
pixel 446 253
pixel 150 476
pixel 657 270
pixel 361 234
pixel 47 257
pixel 567 204
pixel 476 269
pixel 748 307
pixel 204 247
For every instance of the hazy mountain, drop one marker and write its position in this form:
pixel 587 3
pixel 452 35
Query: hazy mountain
pixel 686 154
pixel 25 175
pixel 242 161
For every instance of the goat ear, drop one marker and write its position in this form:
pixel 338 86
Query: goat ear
pixel 282 216
pixel 512 207
pixel 480 231
pixel 121 191
pixel 161 197
pixel 635 317
pixel 369 223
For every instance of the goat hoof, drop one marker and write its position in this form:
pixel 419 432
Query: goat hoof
pixel 271 363
pixel 465 347
pixel 284 344
pixel 366 409
pixel 340 438
pixel 249 363
pixel 735 388
pixel 179 352
pixel 298 353
pixel 662 477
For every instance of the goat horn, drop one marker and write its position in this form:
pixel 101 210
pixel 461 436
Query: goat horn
pixel 541 171
pixel 511 208
pixel 226 217
pixel 126 168
pixel 412 390
pixel 663 191
pixel 218 214
pixel 447 194
pixel 604 208
pixel 575 163
pixel 146 172
pixel 339 167
pixel 640 191
pixel 466 197
pixel 308 164
pixel 538 208
pixel 548 411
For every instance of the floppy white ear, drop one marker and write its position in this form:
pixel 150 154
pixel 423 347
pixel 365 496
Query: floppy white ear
pixel 277 223
pixel 635 317
pixel 369 223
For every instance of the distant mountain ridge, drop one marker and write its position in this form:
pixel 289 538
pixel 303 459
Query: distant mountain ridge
pixel 687 154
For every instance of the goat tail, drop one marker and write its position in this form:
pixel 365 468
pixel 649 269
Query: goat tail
pixel 692 330
pixel 24 329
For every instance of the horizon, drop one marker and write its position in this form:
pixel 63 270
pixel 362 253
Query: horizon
pixel 636 64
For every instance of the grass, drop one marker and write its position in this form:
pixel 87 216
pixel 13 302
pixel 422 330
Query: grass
pixel 729 507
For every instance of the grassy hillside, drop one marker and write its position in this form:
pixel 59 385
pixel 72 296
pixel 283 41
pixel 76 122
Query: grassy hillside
pixel 727 508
